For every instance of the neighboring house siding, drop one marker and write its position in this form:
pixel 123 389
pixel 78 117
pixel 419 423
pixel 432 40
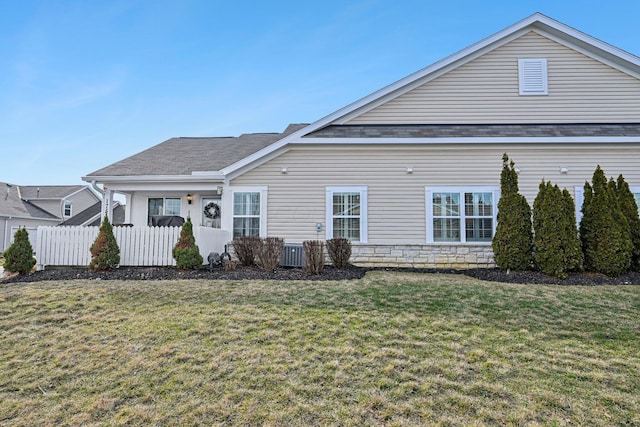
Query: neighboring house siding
pixel 486 90
pixel 10 225
pixel 396 200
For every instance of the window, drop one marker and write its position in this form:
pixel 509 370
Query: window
pixel 532 74
pixel 67 208
pixel 246 213
pixel 456 214
pixel 347 213
pixel 163 206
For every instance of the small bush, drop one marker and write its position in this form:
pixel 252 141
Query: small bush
pixel 604 230
pixel 339 251
pixel 513 242
pixel 630 210
pixel 105 253
pixel 19 256
pixel 268 252
pixel 313 256
pixel 186 252
pixel 557 246
pixel 230 265
pixel 243 247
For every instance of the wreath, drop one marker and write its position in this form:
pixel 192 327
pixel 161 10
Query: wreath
pixel 212 210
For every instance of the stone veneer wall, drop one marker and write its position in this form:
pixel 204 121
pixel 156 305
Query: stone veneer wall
pixel 423 256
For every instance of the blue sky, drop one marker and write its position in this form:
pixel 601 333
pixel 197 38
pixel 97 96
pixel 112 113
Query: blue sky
pixel 88 83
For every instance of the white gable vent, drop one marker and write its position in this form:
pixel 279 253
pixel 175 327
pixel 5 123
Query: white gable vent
pixel 533 76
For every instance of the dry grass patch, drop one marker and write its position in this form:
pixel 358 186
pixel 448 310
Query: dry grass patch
pixel 390 349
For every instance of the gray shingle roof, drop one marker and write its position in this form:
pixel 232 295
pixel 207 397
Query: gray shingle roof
pixel 477 131
pixel 92 211
pixel 182 156
pixel 12 205
pixel 30 192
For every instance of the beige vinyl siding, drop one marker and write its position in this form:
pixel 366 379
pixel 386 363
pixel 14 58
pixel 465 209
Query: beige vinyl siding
pixel 396 200
pixel 486 90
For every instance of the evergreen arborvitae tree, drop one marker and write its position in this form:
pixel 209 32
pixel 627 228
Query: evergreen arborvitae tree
pixel 604 231
pixel 105 253
pixel 513 241
pixel 18 258
pixel 556 242
pixel 629 209
pixel 186 252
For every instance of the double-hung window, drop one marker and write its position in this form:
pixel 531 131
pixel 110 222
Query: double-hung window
pixel 461 214
pixel 347 213
pixel 162 206
pixel 248 213
pixel 67 208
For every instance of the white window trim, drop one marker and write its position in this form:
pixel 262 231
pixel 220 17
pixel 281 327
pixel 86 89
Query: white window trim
pixel 64 208
pixel 429 190
pixel 525 85
pixel 363 209
pixel 578 200
pixel 227 212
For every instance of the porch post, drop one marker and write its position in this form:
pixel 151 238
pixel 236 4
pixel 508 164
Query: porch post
pixel 107 205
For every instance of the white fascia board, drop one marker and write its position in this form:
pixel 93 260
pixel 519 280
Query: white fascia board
pixel 597 50
pixel 198 177
pixel 474 140
pixel 33 218
pixel 588 45
pixel 91 191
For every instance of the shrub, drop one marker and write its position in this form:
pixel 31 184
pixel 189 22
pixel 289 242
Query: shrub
pixel 629 209
pixel 313 256
pixel 556 242
pixel 18 258
pixel 243 247
pixel 186 252
pixel 513 242
pixel 105 253
pixel 604 231
pixel 339 251
pixel 268 252
pixel 230 265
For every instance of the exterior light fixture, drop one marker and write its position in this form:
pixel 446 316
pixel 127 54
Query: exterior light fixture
pixel 284 171
pixel 189 198
pixel 219 190
pixel 409 170
pixel 564 170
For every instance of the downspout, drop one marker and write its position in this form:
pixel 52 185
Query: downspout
pixel 95 187
pixel 6 231
pixel 104 202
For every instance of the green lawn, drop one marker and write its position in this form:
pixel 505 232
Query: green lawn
pixel 390 349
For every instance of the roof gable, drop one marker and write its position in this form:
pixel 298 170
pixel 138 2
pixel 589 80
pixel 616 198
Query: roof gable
pixel 538 23
pixel 486 90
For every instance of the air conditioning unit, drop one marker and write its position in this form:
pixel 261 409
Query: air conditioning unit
pixel 292 255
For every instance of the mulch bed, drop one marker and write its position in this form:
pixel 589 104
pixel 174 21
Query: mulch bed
pixel 329 273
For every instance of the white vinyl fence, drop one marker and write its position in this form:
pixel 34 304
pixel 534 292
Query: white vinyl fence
pixel 139 246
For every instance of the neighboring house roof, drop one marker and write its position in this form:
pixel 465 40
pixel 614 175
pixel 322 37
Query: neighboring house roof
pixel 91 216
pixel 31 192
pixel 12 205
pixel 183 156
pixel 478 131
